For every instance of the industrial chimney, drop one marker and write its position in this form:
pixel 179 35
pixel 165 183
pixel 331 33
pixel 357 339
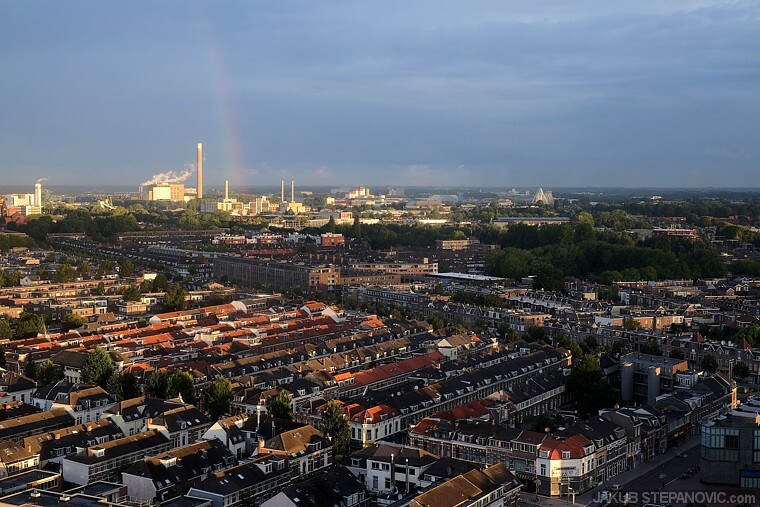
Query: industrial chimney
pixel 38 193
pixel 200 171
pixel 226 190
pixel 282 191
pixel 292 190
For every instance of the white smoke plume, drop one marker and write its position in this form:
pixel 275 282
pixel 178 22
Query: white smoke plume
pixel 171 176
pixel 40 180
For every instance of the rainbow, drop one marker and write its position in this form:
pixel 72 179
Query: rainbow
pixel 233 152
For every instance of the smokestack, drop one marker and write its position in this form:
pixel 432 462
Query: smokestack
pixel 200 170
pixel 282 191
pixel 226 189
pixel 292 190
pixel 38 193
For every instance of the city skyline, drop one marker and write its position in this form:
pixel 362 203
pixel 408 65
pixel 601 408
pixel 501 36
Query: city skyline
pixel 502 94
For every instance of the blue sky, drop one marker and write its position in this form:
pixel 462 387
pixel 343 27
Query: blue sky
pixel 582 93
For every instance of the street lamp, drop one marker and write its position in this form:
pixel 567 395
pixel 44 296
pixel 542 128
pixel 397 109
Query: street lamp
pixel 393 473
pixel 663 476
pixel 407 476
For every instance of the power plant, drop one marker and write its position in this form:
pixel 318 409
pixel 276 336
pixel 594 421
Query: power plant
pixel 199 188
pixel 169 185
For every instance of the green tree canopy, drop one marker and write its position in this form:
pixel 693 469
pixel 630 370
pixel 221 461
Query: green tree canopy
pixel 48 373
pixel 175 299
pixel 30 325
pixel 97 368
pixel 216 397
pixel 124 385
pixel 160 283
pixel 741 370
pixel 126 268
pixel 589 388
pixel 281 406
pixel 336 426
pixel 181 383
pixel 157 384
pixel 71 321
pixel 5 330
pixel 131 293
pixel 64 273
pixel 709 363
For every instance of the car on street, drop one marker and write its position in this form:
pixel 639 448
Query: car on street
pixel 616 488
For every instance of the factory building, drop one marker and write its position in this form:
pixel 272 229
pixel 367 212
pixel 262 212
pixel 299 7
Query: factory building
pixel 255 207
pixel 24 204
pixel 174 192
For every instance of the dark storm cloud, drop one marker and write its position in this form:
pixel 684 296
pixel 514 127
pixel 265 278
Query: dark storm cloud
pixel 503 93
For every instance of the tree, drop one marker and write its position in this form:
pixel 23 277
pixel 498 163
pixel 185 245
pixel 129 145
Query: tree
pixel 48 373
pixel 101 289
pixel 549 278
pixel 535 333
pixel 330 225
pixel 31 369
pixel 281 406
pixel 71 321
pixel 126 268
pixel 589 388
pixel 30 325
pixel 2 357
pixel 181 383
pixel 631 324
pixel 157 384
pixel 124 385
pixel 619 348
pixel 160 283
pixel 651 347
pixel 336 426
pixel 64 273
pixel 84 269
pixel 5 330
pixel 356 230
pixel 741 370
pixel 749 333
pixel 131 293
pixel 175 299
pixel 676 354
pixel 216 397
pixel 709 363
pixel 97 368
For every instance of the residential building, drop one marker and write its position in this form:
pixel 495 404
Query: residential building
pixel 229 432
pixel 494 486
pixel 166 475
pixel 389 468
pixel 15 387
pixel 17 429
pixel 254 482
pixel 184 425
pixel 86 405
pixel 104 461
pixel 305 448
pixel 15 458
pixel 53 446
pixel 330 487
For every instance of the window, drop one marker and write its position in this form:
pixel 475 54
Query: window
pixel 374 482
pixel 565 454
pixel 543 470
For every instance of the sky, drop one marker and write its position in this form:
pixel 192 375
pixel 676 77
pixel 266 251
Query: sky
pixel 462 93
